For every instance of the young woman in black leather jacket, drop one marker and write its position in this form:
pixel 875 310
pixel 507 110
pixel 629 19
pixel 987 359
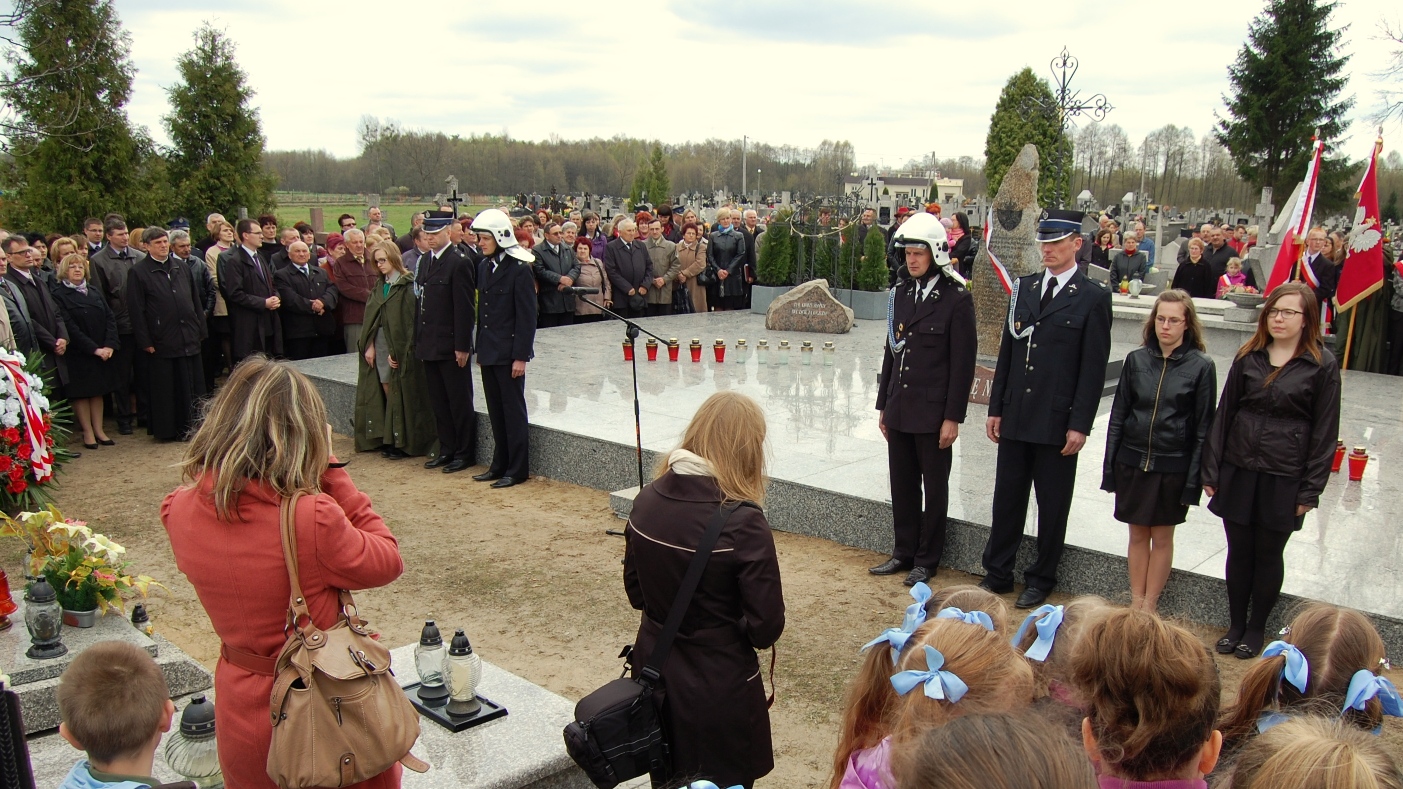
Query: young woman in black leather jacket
pixel 1268 457
pixel 1159 419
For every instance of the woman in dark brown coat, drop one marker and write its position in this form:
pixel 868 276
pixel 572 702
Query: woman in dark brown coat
pixel 1267 458
pixel 714 704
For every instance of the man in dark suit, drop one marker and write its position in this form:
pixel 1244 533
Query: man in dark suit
pixel 556 269
pixel 506 332
pixel 630 271
pixel 50 331
pixel 446 283
pixel 1051 369
pixel 246 280
pixel 16 310
pixel 108 269
pixel 308 308
pixel 923 393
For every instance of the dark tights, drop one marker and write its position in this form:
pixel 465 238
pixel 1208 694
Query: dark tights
pixel 1254 573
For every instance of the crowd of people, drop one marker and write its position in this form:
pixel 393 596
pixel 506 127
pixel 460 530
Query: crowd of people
pixel 1092 694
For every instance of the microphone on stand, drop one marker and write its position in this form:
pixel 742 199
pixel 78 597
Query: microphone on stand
pixel 581 291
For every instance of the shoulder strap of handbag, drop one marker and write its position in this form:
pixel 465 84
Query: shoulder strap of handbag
pixel 653 670
pixel 298 614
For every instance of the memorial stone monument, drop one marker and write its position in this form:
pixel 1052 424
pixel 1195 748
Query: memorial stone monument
pixel 1013 242
pixel 810 307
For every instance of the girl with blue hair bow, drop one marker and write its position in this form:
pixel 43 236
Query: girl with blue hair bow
pixel 955 664
pixel 870 698
pixel 1328 658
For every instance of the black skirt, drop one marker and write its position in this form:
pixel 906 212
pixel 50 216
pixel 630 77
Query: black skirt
pixel 1149 498
pixel 1256 498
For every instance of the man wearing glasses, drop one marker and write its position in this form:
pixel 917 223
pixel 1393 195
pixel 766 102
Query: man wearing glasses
pixel 1047 385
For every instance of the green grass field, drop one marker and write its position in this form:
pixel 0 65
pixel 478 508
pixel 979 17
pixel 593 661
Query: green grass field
pixel 397 214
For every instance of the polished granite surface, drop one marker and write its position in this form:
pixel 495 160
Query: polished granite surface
pixel 823 434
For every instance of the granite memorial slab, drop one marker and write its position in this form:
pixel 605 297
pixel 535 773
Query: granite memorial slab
pixel 810 307
pixel 1013 242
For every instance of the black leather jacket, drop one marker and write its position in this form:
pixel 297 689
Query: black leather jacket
pixel 1161 415
pixel 1287 428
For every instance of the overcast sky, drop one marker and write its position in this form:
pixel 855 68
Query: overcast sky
pixel 898 80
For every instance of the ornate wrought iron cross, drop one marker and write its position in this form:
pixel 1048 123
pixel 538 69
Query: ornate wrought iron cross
pixel 1066 107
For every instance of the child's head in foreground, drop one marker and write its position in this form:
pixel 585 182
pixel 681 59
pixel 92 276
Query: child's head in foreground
pixel 114 704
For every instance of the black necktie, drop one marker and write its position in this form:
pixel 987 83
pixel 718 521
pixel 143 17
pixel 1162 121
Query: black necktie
pixel 1047 294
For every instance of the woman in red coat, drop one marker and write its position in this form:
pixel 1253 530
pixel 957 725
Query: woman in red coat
pixel 265 437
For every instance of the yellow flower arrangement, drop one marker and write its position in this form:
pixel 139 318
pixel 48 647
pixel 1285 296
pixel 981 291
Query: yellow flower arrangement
pixel 85 568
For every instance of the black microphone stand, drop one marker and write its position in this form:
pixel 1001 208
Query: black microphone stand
pixel 631 330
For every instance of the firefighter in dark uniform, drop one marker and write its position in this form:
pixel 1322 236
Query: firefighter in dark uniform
pixel 506 333
pixel 1051 370
pixel 445 283
pixel 923 391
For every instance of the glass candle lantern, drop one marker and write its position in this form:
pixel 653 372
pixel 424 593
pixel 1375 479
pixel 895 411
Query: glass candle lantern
pixel 695 348
pixel 142 621
pixel 428 659
pixel 806 353
pixel 1339 457
pixel 652 349
pixel 783 358
pixel 7 602
pixel 673 348
pixel 628 350
pixel 762 352
pixel 191 749
pixel 740 351
pixel 1358 459
pixel 718 349
pixel 828 353
pixel 44 619
pixel 464 672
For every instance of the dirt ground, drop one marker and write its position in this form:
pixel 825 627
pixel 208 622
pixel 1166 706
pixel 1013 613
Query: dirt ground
pixel 532 577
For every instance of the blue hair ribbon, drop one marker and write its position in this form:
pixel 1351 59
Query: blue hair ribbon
pixel 914 618
pixel 1296 670
pixel 1270 718
pixel 1048 620
pixel 939 684
pixel 968 617
pixel 1365 685
pixel 708 785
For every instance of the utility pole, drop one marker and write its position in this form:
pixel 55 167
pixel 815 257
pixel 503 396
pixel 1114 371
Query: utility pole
pixel 743 172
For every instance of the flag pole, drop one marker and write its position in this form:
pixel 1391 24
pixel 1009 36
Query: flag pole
pixel 1349 338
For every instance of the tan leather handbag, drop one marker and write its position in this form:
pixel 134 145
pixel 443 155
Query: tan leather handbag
pixel 339 716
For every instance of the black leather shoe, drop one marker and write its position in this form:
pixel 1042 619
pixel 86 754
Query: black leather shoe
pixel 393 453
pixel 1226 645
pixel 487 476
pixel 890 567
pixel 89 446
pixel 507 482
pixel 990 585
pixel 439 462
pixel 1032 597
pixel 457 465
pixel 917 575
pixel 124 429
pixel 107 442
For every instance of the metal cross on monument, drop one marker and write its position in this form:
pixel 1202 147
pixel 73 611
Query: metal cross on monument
pixel 453 198
pixel 1066 107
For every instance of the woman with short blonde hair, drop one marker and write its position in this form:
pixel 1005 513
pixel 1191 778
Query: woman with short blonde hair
pixel 715 707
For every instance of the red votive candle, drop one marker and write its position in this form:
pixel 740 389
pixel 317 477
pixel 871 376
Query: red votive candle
pixel 628 350
pixel 696 350
pixel 1358 459
pixel 673 349
pixel 719 349
pixel 652 350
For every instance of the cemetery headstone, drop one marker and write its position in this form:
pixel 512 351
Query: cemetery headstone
pixel 1012 241
pixel 810 307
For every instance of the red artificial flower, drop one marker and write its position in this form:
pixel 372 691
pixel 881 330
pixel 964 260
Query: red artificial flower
pixel 11 435
pixel 17 472
pixel 5 462
pixel 24 450
pixel 17 487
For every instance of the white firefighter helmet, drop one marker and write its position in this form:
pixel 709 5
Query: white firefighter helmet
pixel 497 223
pixel 925 230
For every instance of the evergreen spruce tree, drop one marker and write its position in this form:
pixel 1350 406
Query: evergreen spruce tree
pixel 642 186
pixel 216 161
pixel 825 252
pixel 1286 83
pixel 73 64
pixel 1390 209
pixel 873 275
pixel 660 188
pixel 775 264
pixel 1022 117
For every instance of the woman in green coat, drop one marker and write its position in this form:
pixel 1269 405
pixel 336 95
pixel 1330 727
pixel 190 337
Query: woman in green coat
pixel 392 407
